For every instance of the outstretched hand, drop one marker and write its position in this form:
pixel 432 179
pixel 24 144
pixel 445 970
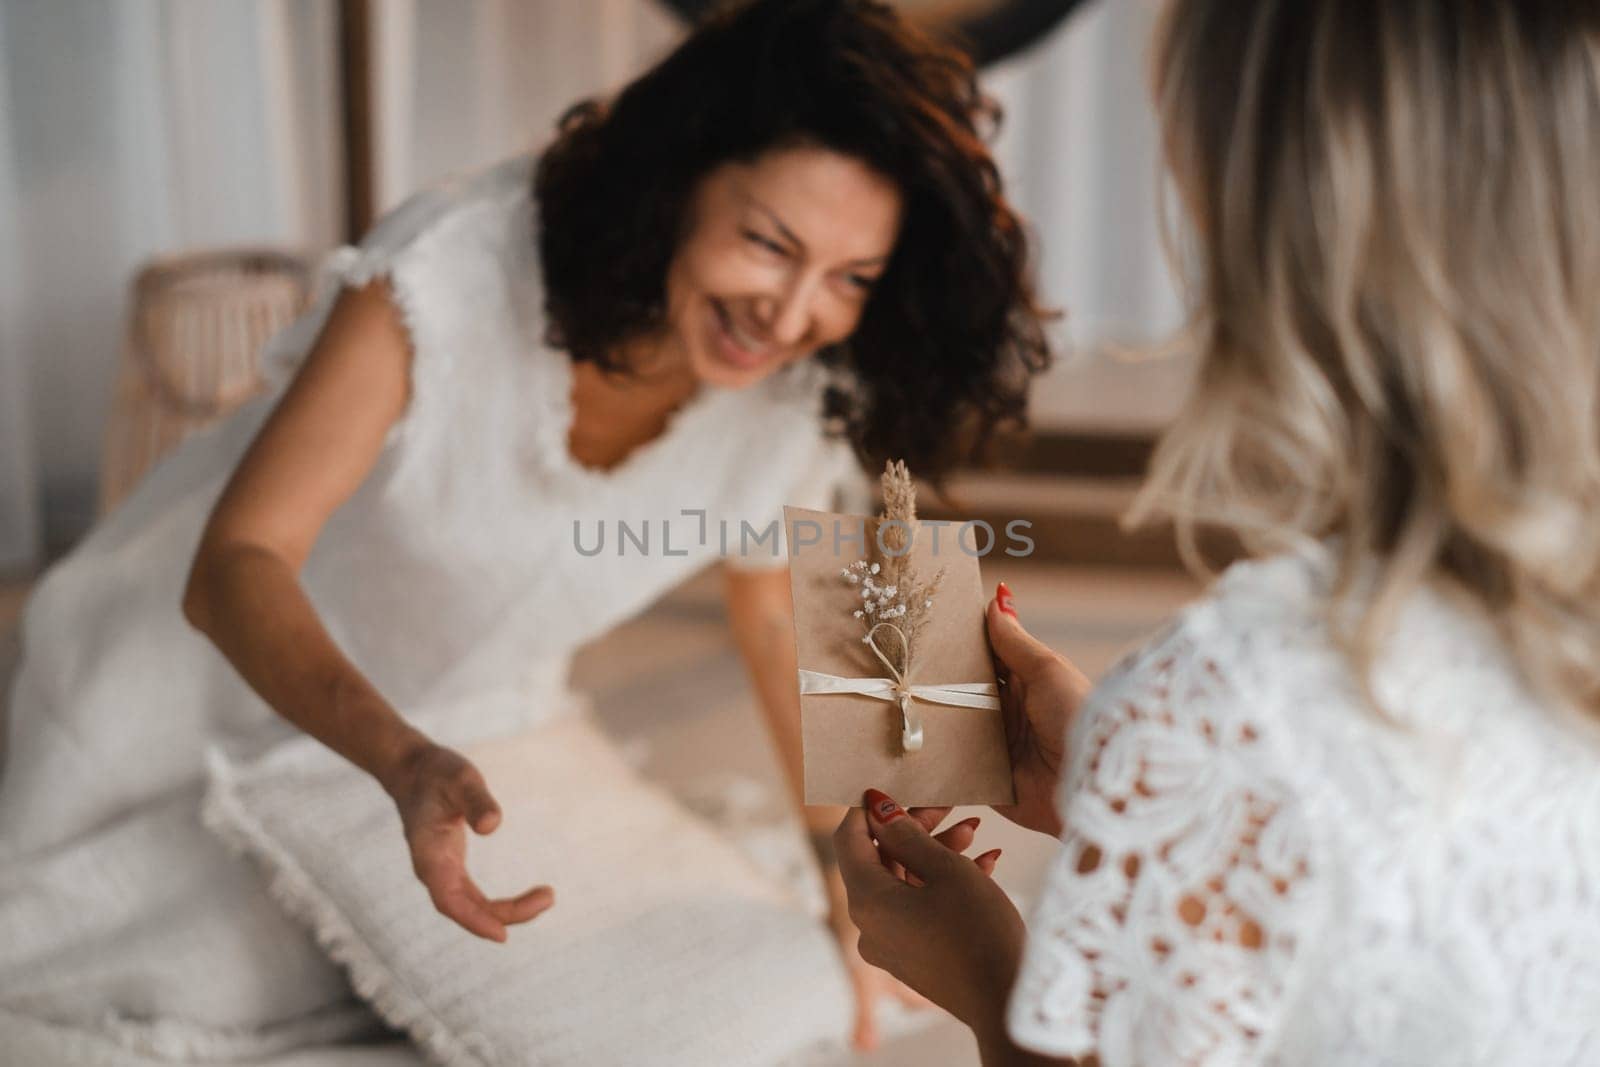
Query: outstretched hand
pixel 439 794
pixel 1040 693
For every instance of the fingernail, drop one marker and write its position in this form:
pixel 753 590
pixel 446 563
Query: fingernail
pixel 993 856
pixel 881 808
pixel 1002 594
pixel 972 822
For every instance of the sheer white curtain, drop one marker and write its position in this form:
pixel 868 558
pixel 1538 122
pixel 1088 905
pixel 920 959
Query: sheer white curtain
pixel 19 508
pixel 465 84
pixel 133 128
pixel 1079 150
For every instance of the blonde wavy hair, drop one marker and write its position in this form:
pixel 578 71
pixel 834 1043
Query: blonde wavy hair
pixel 1395 210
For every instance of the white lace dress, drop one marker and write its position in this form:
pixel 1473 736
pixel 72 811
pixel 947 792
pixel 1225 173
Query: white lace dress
pixel 1259 870
pixel 465 563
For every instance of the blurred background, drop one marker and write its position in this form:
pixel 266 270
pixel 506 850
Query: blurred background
pixel 134 131
pixel 172 170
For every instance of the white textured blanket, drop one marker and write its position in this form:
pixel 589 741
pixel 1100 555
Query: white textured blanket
pixel 665 946
pixel 29 1041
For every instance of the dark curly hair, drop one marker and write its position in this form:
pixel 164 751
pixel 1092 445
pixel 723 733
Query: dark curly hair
pixel 951 334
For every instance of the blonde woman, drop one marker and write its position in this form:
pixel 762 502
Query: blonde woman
pixel 1346 810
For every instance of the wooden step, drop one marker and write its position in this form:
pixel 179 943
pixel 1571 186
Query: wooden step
pixel 1071 519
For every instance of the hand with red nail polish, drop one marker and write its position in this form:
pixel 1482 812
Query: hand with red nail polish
pixel 882 807
pixel 1040 692
pixel 927 914
pixel 872 984
pixel 1004 600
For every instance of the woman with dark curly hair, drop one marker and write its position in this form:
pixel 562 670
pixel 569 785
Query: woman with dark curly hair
pixel 786 236
pixel 935 330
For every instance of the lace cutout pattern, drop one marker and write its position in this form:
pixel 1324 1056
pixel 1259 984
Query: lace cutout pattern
pixel 1175 913
pixel 1260 868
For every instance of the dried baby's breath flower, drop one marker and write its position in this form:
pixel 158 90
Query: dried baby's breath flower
pixel 895 597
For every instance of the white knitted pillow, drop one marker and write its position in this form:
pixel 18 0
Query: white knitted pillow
pixel 664 947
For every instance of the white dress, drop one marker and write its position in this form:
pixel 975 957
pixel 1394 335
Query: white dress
pixel 465 562
pixel 1259 870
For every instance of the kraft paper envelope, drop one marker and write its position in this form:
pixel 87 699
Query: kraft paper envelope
pixel 852 741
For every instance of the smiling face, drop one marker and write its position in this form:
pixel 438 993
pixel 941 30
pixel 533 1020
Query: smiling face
pixel 779 259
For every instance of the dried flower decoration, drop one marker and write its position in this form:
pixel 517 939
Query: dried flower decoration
pixel 895 600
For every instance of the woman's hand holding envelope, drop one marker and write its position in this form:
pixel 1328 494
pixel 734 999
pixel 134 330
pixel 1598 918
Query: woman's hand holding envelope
pixel 927 914
pixel 1040 693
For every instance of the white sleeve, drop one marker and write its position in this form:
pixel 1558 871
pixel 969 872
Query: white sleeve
pixel 381 254
pixel 1181 906
pixel 351 266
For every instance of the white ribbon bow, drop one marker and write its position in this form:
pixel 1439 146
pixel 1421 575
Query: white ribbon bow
pixel 895 691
